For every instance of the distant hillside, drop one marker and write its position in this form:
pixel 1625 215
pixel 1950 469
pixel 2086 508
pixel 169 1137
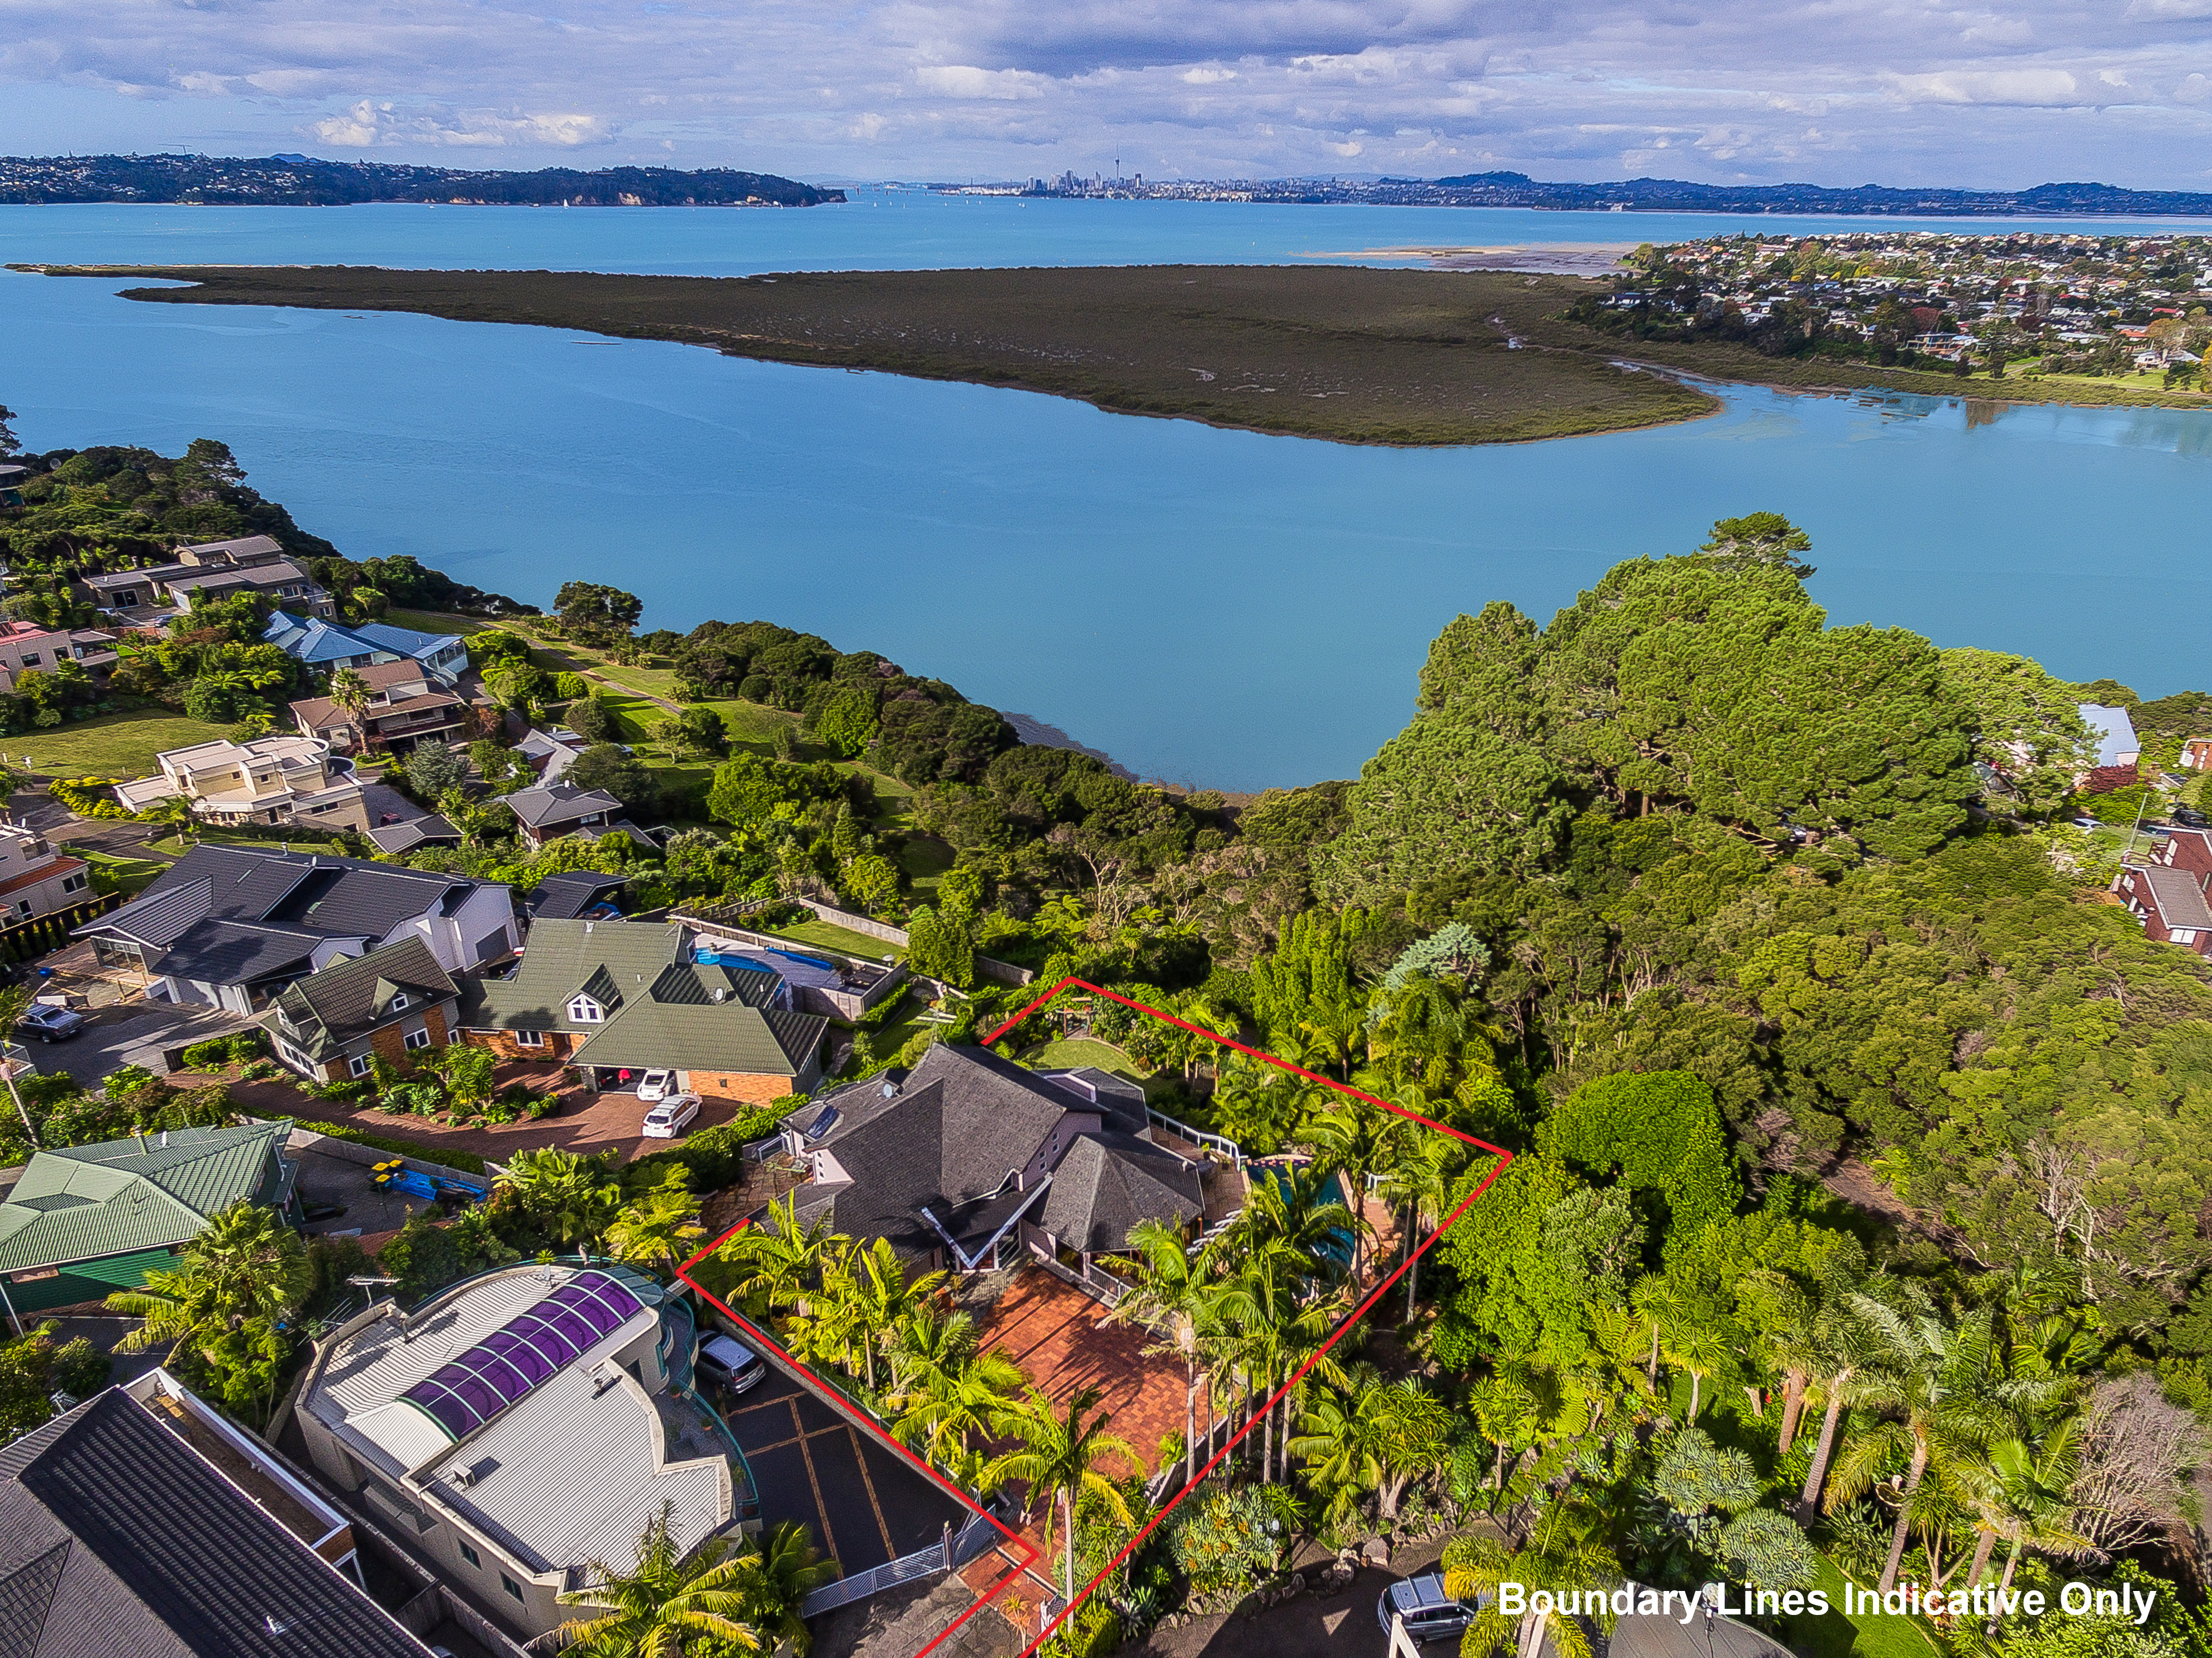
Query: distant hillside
pixel 304 181
pixel 1676 195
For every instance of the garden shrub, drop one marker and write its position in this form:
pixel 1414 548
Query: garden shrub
pixel 76 793
pixel 1227 1541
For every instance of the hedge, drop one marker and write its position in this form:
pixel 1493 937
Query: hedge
pixel 467 1162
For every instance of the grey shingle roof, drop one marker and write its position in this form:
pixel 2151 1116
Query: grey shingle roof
pixel 81 1202
pixel 115 1537
pixel 962 1125
pixel 1108 1182
pixel 2180 901
pixel 320 1013
pixel 568 893
pixel 558 803
pixel 660 1009
pixel 401 838
pixel 228 914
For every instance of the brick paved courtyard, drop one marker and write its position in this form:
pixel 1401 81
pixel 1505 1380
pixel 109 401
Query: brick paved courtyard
pixel 1052 1330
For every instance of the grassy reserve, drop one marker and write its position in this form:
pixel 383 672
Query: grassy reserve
pixel 107 746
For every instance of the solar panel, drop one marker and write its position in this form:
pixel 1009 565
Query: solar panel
pixel 464 1394
pixel 822 1123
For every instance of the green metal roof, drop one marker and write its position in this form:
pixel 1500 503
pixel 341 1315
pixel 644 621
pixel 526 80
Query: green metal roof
pixel 80 1202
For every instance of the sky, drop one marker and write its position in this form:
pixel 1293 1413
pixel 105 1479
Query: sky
pixel 1838 91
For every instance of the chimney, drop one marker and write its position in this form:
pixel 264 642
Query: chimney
pixel 143 1146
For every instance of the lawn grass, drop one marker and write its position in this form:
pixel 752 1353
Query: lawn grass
pixel 437 621
pixel 925 859
pixel 202 835
pixel 128 875
pixel 1070 1052
pixel 109 745
pixel 1833 1635
pixel 823 936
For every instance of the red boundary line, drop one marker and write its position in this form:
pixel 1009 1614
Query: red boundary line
pixel 1031 1555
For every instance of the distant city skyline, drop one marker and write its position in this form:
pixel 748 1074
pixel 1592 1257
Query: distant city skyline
pixel 1848 92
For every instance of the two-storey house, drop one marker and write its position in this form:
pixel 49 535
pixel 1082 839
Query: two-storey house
pixel 269 780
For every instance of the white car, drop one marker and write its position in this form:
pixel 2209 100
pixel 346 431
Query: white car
pixel 666 1120
pixel 656 1085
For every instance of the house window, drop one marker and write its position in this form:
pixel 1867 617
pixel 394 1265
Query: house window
pixel 398 1001
pixel 584 1010
pixel 23 908
pixel 358 1065
pixel 419 1039
pixel 71 883
pixel 2184 935
pixel 470 1556
pixel 529 1039
pixel 30 659
pixel 510 1586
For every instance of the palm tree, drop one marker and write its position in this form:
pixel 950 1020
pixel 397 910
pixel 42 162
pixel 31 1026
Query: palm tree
pixel 1287 1209
pixel 779 1577
pixel 1354 1140
pixel 873 1281
pixel 1507 1412
pixel 779 1259
pixel 1180 1299
pixel 1788 1320
pixel 665 1602
pixel 1058 1457
pixel 659 1227
pixel 1698 1345
pixel 566 1197
pixel 350 696
pixel 1846 1354
pixel 245 1265
pixel 1941 1380
pixel 1420 1178
pixel 1565 1552
pixel 1371 1435
pixel 947 1391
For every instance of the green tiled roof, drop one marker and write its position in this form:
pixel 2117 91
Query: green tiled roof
pixel 660 1010
pixel 84 1201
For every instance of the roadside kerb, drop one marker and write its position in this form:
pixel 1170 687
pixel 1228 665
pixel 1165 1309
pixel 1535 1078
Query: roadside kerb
pixel 1258 1411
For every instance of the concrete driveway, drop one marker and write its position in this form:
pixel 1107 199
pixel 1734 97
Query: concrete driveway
pixel 131 1033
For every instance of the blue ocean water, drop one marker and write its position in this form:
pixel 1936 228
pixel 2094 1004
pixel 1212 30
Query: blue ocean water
pixel 1207 606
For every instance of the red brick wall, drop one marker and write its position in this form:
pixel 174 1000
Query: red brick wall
pixel 2104 778
pixel 735 1085
pixel 558 1045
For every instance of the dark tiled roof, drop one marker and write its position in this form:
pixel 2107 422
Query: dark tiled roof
pixel 1108 1182
pixel 558 803
pixel 398 838
pixel 116 1538
pixel 565 895
pixel 950 1141
pixel 243 911
pixel 325 1010
pixel 237 953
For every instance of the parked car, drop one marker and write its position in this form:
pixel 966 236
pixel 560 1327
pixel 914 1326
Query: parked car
pixel 2189 817
pixel 729 1363
pixel 666 1120
pixel 656 1085
pixel 2084 821
pixel 50 1025
pixel 1427 1612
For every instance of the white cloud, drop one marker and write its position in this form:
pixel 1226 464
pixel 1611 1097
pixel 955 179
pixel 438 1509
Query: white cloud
pixel 2039 86
pixel 368 123
pixel 1835 91
pixel 964 81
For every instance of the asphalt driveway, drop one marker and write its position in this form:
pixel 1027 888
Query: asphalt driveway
pixel 865 1503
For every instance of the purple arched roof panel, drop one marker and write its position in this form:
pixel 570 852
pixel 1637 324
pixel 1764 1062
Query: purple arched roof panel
pixel 475 1386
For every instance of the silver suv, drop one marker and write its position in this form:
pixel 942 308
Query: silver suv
pixel 1427 1612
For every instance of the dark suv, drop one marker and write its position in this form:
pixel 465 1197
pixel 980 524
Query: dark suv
pixel 1427 1612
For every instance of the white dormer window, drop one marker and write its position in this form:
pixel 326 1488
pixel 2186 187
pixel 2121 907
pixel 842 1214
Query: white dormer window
pixel 584 1010
pixel 398 1001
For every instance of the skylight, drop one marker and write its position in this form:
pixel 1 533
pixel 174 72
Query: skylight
pixel 461 1396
